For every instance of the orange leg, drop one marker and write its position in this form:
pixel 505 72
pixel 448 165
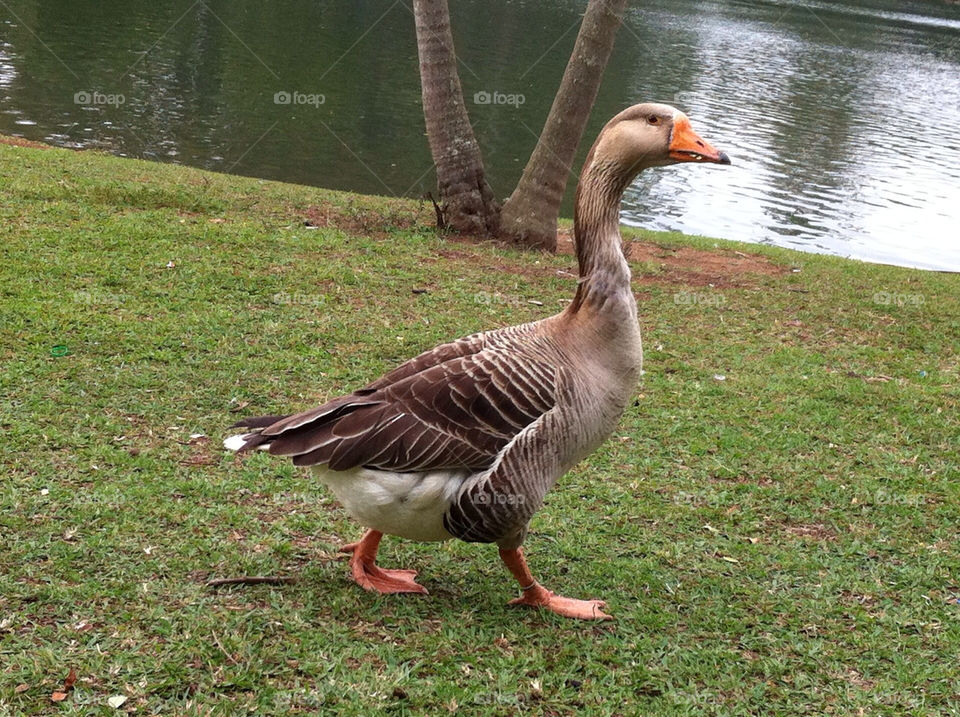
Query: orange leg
pixel 536 595
pixel 369 576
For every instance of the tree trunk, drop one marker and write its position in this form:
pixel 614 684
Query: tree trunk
pixel 467 202
pixel 529 216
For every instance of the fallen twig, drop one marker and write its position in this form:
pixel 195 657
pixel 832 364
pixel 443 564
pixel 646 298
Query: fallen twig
pixel 251 580
pixel 230 658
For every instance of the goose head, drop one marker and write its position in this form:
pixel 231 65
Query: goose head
pixel 642 136
pixel 651 135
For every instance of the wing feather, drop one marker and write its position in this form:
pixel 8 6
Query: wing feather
pixel 456 406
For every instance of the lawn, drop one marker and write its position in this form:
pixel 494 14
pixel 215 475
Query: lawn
pixel 774 524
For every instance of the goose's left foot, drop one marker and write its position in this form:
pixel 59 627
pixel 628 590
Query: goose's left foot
pixel 539 596
pixel 535 595
pixel 370 577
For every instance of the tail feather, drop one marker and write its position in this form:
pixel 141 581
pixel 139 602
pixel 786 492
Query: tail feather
pixel 252 439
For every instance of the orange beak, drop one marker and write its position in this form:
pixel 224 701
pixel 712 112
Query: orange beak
pixel 686 145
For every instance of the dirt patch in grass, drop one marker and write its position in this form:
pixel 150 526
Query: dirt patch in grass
pixel 812 531
pixel 658 264
pixel 199 452
pixel 652 263
pixel 354 220
pixel 687 265
pixel 697 267
pixel 21 142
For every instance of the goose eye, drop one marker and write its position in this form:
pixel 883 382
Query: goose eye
pixel 653 119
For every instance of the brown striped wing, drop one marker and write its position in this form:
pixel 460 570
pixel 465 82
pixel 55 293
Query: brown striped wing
pixel 458 413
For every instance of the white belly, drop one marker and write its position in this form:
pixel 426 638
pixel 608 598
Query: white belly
pixel 409 505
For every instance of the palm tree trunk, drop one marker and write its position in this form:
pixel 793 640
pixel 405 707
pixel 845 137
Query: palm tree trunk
pixel 529 216
pixel 467 202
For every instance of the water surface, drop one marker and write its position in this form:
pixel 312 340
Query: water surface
pixel 841 118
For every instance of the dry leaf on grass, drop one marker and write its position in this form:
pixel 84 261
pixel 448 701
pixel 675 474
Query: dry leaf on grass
pixel 68 683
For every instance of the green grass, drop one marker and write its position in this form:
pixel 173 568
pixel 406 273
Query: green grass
pixel 784 541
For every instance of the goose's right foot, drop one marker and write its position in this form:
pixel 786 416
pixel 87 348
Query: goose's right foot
pixel 370 577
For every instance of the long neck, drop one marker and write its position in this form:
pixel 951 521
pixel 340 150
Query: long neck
pixel 604 272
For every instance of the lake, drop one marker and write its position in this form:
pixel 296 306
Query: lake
pixel 842 119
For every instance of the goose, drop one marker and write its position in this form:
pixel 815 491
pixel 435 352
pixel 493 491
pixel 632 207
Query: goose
pixel 464 440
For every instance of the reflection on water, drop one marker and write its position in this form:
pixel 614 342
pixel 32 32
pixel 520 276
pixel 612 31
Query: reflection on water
pixel 843 135
pixel 841 118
